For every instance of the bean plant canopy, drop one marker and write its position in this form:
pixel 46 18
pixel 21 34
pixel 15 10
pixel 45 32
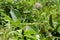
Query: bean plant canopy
pixel 29 19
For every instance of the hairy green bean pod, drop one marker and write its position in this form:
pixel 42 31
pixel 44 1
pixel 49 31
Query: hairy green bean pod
pixel 50 21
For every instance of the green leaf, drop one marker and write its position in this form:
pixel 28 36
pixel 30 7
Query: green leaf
pixel 59 29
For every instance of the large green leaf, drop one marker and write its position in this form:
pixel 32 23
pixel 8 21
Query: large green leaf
pixel 15 14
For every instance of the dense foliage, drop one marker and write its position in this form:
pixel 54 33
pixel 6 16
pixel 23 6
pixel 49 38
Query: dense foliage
pixel 29 20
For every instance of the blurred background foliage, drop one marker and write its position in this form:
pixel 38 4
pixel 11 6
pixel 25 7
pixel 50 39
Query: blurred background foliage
pixel 29 20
